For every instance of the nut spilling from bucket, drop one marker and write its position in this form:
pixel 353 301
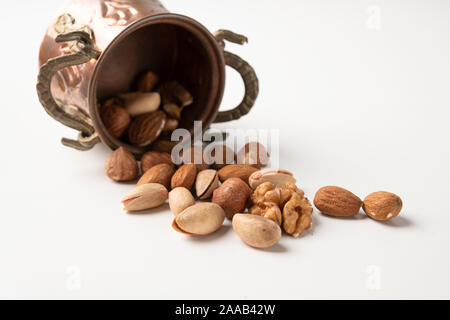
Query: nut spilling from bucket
pixel 140 117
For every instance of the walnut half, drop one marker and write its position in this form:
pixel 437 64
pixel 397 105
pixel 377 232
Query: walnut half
pixel 286 206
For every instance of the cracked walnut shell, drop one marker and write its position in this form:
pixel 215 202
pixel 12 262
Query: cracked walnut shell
pixel 286 206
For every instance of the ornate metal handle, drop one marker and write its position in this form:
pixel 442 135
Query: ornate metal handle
pixel 71 116
pixel 245 70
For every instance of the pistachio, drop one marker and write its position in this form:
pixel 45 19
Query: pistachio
pixel 180 199
pixel 256 231
pixel 207 181
pixel 200 219
pixel 147 196
pixel 278 177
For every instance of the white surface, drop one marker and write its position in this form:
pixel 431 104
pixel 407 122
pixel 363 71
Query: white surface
pixel 359 105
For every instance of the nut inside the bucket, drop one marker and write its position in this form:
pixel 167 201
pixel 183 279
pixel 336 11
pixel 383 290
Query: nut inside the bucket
pixel 142 116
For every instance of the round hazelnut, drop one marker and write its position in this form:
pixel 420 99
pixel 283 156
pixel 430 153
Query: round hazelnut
pixel 232 196
pixel 121 166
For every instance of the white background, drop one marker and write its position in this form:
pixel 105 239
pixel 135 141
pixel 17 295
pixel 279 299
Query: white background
pixel 360 93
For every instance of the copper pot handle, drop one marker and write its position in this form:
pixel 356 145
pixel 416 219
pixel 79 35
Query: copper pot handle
pixel 71 116
pixel 247 73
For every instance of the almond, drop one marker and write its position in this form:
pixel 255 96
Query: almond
pixel 220 156
pixel 153 158
pixel 161 173
pixel 337 202
pixel 241 171
pixel 174 92
pixel 115 119
pixel 147 82
pixel 193 154
pixel 164 145
pixel 146 128
pixel 382 206
pixel 184 177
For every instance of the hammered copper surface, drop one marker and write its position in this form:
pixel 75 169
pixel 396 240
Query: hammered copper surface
pixel 106 18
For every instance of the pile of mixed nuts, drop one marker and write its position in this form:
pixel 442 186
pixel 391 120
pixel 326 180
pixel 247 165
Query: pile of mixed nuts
pixel 260 202
pixel 140 117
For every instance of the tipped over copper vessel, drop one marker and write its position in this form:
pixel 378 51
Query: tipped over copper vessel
pixel 96 48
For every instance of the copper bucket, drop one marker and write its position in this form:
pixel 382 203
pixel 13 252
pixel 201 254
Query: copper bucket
pixel 96 48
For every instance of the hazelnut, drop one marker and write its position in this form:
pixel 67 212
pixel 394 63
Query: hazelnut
pixel 121 166
pixel 232 196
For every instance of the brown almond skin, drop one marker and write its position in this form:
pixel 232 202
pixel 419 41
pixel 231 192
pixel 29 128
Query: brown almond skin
pixel 241 171
pixel 147 82
pixel 184 176
pixel 164 146
pixel 232 196
pixel 115 119
pixel 146 128
pixel 337 202
pixel 382 205
pixel 195 155
pixel 161 173
pixel 153 158
pixel 222 159
pixel 121 166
